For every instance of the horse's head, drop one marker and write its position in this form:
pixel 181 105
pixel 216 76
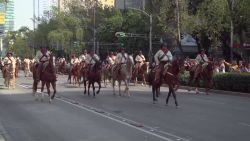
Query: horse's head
pixel 97 66
pixel 178 64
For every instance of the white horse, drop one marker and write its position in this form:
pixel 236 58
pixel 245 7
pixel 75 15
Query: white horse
pixel 123 73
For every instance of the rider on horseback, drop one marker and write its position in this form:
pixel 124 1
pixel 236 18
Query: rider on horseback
pixel 91 60
pixel 163 59
pixel 9 61
pixel 111 58
pixel 202 62
pixel 120 59
pixel 82 57
pixel 42 58
pixel 140 59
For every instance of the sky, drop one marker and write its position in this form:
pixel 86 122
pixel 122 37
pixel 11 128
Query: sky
pixel 23 13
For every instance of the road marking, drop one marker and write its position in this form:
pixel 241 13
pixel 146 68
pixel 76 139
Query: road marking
pixel 244 124
pixel 124 121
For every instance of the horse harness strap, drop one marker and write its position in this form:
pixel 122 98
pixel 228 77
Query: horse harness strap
pixel 40 60
pixel 165 54
pixel 10 60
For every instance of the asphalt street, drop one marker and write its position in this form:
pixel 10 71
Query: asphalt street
pixel 73 116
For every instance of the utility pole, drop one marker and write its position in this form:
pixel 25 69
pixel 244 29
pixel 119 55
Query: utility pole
pixel 232 32
pixel 94 47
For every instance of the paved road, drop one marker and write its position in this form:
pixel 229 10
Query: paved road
pixel 77 117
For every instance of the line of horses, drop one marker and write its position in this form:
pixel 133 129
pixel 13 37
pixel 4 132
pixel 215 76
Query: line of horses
pixel 82 73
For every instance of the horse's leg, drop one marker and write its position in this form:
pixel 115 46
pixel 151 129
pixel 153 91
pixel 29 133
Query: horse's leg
pixel 154 89
pixel 197 84
pixel 99 84
pixel 119 85
pixel 169 94
pixel 54 88
pixel 127 88
pixel 89 86
pixel 113 85
pixel 93 87
pixel 175 99
pixel 85 85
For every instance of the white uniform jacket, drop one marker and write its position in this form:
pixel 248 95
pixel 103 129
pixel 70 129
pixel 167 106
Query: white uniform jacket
pixel 161 56
pixel 42 58
pixel 92 60
pixel 121 58
pixel 201 59
pixel 140 58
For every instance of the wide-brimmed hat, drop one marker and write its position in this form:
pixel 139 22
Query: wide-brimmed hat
pixel 121 49
pixel 9 52
pixel 164 45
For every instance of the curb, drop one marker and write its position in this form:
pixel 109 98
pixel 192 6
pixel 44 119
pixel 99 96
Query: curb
pixel 219 91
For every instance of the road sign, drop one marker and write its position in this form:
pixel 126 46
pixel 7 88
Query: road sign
pixel 120 34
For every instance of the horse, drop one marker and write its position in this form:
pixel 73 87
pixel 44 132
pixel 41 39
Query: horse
pixel 9 75
pixel 143 71
pixel 106 73
pixel 62 67
pixel 206 75
pixel 122 72
pixel 169 77
pixel 47 77
pixel 76 73
pixel 26 68
pixel 93 75
pixel 18 66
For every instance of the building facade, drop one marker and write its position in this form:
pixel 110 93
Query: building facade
pixel 45 7
pixel 109 3
pixel 123 4
pixel 9 16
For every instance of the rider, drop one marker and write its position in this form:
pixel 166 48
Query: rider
pixel 9 60
pixel 92 59
pixel 111 58
pixel 202 62
pixel 121 58
pixel 82 57
pixel 163 59
pixel 42 58
pixel 73 61
pixel 140 59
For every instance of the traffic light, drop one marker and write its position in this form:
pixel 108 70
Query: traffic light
pixel 120 34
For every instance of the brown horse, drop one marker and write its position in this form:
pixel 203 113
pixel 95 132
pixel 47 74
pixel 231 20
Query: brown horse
pixel 76 73
pixel 106 73
pixel 93 75
pixel 123 72
pixel 206 75
pixel 47 77
pixel 143 70
pixel 170 78
pixel 9 75
pixel 18 66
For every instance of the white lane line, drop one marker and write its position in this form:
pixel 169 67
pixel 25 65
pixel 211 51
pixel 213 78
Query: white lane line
pixel 244 124
pixel 123 121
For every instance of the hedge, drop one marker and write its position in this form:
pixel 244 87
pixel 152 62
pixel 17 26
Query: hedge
pixel 237 82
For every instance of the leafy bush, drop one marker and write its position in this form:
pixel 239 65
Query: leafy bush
pixel 239 82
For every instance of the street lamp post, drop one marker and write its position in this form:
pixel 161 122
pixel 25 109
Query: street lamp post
pixel 150 31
